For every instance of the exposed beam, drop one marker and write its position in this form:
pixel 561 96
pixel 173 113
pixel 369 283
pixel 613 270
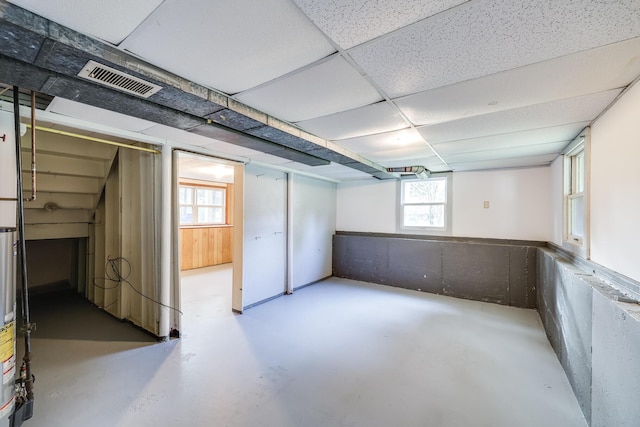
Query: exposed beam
pixel 44 56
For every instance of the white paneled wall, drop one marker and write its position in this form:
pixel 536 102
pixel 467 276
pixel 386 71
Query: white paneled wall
pixel 265 227
pixel 367 206
pixel 276 204
pixel 313 217
pixel 615 181
pixel 519 204
pixel 614 198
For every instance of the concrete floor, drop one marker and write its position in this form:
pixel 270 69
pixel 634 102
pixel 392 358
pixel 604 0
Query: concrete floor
pixel 338 353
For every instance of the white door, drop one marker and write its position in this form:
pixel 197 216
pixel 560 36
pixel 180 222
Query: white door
pixel 265 240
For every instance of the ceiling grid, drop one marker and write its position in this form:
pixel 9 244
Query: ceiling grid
pixel 448 84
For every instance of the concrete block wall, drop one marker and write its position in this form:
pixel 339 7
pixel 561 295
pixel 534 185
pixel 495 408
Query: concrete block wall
pixel 596 338
pixel 497 271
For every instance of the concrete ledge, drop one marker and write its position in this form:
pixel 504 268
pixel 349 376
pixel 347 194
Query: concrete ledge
pixel 596 338
pixel 508 242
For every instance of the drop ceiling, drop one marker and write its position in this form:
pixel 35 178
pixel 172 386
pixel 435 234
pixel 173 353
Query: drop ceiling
pixel 448 84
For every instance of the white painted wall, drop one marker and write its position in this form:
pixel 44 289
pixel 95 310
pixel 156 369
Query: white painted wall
pixel 265 226
pixel 520 206
pixel 615 186
pixel 313 217
pixel 367 205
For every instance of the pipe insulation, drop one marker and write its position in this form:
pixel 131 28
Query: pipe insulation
pixel 419 172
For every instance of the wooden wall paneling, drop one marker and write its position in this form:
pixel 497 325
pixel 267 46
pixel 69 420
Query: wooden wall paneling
pixel 205 246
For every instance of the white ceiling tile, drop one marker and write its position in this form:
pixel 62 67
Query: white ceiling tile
pixel 507 153
pixel 269 158
pixel 483 37
pixel 442 167
pixel 586 72
pixel 566 111
pixel 178 135
pixel 300 167
pixel 230 46
pixel 349 175
pixel 428 162
pixel 326 88
pixel 384 141
pixel 399 153
pixel 330 168
pixel 372 119
pixel 97 115
pixel 352 22
pixel 514 139
pixel 333 170
pixel 541 160
pixel 111 21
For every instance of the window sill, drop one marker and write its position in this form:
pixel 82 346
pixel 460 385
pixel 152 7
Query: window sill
pixel 425 231
pixel 575 248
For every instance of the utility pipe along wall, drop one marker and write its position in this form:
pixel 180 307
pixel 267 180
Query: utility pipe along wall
pixel 16 395
pixel 8 258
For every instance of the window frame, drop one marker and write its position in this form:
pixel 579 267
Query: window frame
pixel 579 147
pixel 194 204
pixel 446 228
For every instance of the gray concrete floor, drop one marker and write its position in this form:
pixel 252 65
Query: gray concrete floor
pixel 338 353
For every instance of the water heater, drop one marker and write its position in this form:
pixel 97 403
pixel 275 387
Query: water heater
pixel 8 258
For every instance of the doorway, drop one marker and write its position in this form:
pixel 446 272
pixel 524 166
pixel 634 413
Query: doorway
pixel 205 194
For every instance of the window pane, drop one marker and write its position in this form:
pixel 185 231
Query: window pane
pixel 186 215
pixel 576 206
pixel 204 196
pixel 210 196
pixel 424 216
pixel 210 215
pixel 579 173
pixel 218 197
pixel 186 196
pixel 430 191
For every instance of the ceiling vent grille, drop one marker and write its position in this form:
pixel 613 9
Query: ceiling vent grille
pixel 117 79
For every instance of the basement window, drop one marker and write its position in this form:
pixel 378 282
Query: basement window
pixel 575 200
pixel 202 205
pixel 424 204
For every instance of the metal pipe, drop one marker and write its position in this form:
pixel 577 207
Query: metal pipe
pixel 33 148
pixel 22 249
pixel 418 171
pixel 91 138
